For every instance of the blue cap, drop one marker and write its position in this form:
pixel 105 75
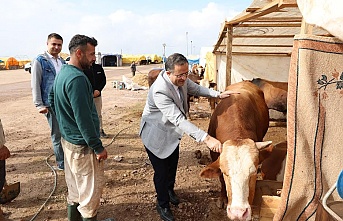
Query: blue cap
pixel 339 185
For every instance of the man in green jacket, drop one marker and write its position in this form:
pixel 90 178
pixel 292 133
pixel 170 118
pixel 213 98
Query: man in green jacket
pixel 71 99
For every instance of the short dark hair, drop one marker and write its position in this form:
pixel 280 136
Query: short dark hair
pixel 175 59
pixel 55 35
pixel 81 41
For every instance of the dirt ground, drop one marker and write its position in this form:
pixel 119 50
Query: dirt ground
pixel 129 193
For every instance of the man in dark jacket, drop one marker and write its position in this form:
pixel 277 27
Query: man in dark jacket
pixel 133 68
pixel 97 77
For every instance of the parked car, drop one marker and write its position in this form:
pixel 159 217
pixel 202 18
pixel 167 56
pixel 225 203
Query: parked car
pixel 27 67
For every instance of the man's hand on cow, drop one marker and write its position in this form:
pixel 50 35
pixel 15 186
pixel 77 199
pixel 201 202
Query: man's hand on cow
pixel 213 144
pixel 227 94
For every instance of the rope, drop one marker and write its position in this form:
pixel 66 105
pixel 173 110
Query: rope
pixel 53 189
pixel 116 136
pixel 55 176
pixel 139 71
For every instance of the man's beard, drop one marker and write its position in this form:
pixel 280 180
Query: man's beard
pixel 85 64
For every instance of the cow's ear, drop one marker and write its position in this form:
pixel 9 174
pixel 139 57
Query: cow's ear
pixel 262 145
pixel 211 171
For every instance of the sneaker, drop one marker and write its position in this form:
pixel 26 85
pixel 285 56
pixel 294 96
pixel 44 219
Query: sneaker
pixel 103 134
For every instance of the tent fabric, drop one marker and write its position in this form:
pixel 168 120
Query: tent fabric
pixel 314 154
pixel 64 55
pixel 10 63
pixel 264 31
pixel 210 68
pixel 153 58
pixel 193 59
pixel 247 67
pixel 326 14
pixel 2 65
pixel 339 184
pixel 111 60
pixel 129 58
pixel 22 62
pixel 191 62
pixel 273 68
pixel 255 31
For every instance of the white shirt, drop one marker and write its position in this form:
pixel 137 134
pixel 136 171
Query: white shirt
pixel 56 62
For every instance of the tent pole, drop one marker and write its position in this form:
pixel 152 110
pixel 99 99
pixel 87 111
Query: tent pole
pixel 306 28
pixel 229 55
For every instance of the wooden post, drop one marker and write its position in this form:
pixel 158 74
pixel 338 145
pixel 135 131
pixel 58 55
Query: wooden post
pixel 228 55
pixel 306 28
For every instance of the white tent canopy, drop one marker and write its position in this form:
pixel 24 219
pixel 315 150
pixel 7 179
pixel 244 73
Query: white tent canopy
pixel 258 42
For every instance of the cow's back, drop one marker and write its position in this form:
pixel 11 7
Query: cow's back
pixel 153 74
pixel 275 93
pixel 240 116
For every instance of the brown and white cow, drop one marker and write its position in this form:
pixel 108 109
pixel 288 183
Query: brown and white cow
pixel 275 93
pixel 273 167
pixel 240 123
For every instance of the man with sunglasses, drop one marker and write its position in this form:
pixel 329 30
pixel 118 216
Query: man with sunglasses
pixel 163 123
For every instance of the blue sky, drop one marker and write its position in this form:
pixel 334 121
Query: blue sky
pixel 120 26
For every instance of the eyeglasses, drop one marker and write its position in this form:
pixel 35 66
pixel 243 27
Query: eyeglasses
pixel 184 75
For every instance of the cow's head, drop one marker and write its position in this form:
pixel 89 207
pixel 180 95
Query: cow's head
pixel 238 163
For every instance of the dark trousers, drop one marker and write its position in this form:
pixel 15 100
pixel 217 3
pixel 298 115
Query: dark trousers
pixel 2 174
pixel 164 176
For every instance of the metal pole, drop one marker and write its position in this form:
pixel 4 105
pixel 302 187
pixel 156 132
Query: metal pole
pixel 164 52
pixel 187 41
pixel 191 48
pixel 164 49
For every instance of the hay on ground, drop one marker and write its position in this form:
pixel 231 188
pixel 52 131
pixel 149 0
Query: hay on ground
pixel 141 79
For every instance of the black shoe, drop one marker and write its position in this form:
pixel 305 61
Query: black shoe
pixel 173 198
pixel 165 213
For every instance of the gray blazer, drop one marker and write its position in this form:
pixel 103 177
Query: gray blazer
pixel 164 117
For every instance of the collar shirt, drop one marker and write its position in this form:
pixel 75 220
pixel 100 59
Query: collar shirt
pixel 178 93
pixel 56 62
pixel 175 87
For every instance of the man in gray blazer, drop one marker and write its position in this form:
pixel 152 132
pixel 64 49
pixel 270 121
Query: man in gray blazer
pixel 163 123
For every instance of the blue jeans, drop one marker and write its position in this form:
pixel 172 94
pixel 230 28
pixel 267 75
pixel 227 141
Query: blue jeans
pixel 56 138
